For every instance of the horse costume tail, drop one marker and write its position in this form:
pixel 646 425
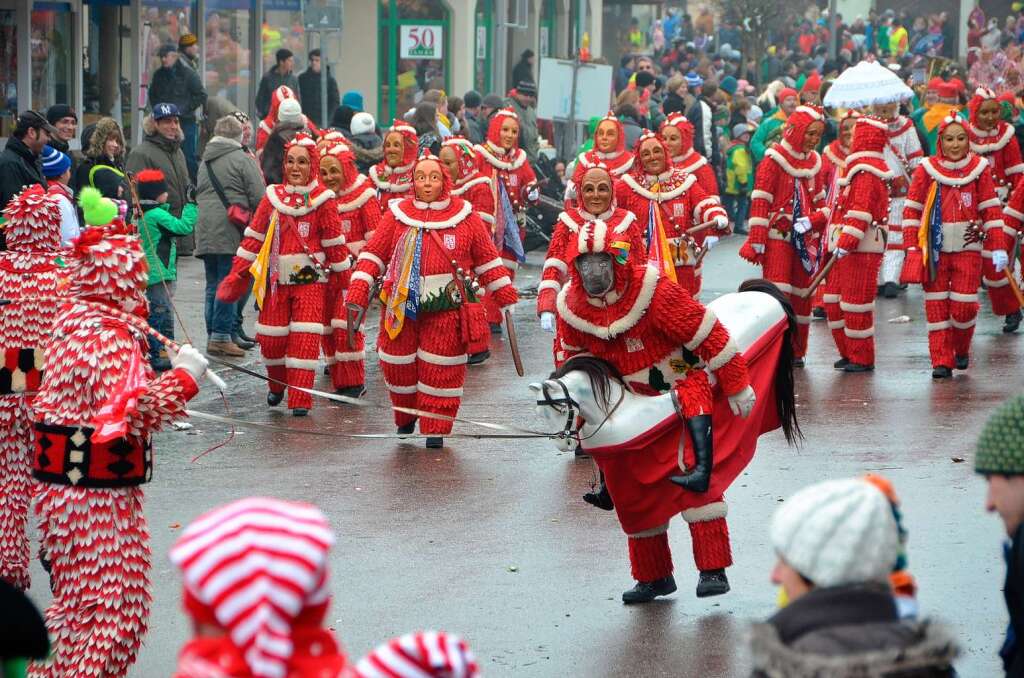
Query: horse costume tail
pixel 785 393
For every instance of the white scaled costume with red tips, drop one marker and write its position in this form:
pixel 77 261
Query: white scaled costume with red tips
pixel 903 153
pixel 394 183
pixel 294 247
pixel 857 235
pixel 660 339
pixel 266 127
pixel 30 267
pixel 359 213
pixel 95 413
pixel 425 252
pixel 788 187
pixel 998 145
pixel 666 205
pixel 689 160
pixel 952 220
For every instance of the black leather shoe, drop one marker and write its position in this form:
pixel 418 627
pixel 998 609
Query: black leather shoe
pixel 435 443
pixel 241 343
pixel 300 412
pixel 496 328
pixel 602 499
pixel 240 333
pixel 963 362
pixel 818 313
pixel 942 372
pixel 857 367
pixel 351 391
pixel 698 479
pixel 646 591
pixel 890 290
pixel 478 358
pixel 841 363
pixel 1012 322
pixel 712 583
pixel 406 429
pixel 274 399
pixel 327 370
pixel 798 362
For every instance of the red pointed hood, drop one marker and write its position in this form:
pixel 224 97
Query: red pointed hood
pixel 33 221
pixel 410 141
pixel 468 160
pixel 685 127
pixel 797 124
pixel 621 145
pixel 981 95
pixel 953 118
pixel 494 127
pixel 870 136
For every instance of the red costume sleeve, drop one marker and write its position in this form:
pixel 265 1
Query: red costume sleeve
pixel 821 213
pixel 555 270
pixel 761 199
pixel 487 264
pixel 914 205
pixel 991 214
pixel 236 283
pixel 696 327
pixel 370 217
pixel 1013 214
pixel 1013 165
pixel 372 262
pixel 860 208
pixel 332 239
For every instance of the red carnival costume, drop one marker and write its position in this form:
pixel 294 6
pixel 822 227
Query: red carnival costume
pixel 660 339
pixel 476 189
pixel 424 251
pixel 257 589
pixel 788 188
pixel 833 165
pixel 617 160
pixel 267 124
pixel 28 268
pixel 95 412
pixel 952 221
pixel 903 154
pixel 359 212
pixel 857 236
pixel 294 247
pixel 394 182
pixel 666 205
pixel 689 160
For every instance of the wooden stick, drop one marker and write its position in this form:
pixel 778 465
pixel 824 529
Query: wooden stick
pixel 1008 272
pixel 700 227
pixel 820 277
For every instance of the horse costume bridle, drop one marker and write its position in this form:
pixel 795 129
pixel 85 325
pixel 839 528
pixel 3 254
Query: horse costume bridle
pixel 573 410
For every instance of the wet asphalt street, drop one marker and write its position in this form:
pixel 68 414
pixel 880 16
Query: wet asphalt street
pixel 490 538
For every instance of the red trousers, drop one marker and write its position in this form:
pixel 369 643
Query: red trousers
pixel 289 330
pixel 345 362
pixel 850 305
pixel 690 279
pixel 650 557
pixel 424 367
pixel 782 266
pixel 951 306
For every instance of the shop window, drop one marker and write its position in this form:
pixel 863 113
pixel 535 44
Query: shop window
pixel 163 23
pixel 415 55
pixel 52 44
pixel 228 24
pixel 282 28
pixel 8 71
pixel 106 84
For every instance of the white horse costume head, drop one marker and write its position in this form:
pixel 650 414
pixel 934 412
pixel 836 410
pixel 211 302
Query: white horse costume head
pixel 587 401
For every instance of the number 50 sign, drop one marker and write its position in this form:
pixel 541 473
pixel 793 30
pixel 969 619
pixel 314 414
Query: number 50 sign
pixel 421 42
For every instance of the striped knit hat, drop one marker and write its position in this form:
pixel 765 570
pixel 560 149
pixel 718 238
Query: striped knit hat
pixel 255 565
pixel 1001 445
pixel 420 655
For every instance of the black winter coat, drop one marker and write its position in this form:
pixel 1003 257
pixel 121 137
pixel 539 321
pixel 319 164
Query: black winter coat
pixel 1013 591
pixel 19 167
pixel 178 85
pixel 309 95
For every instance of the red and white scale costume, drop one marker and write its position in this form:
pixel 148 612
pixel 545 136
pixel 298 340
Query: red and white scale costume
pixel 1000 148
pixel 424 364
pixel 968 202
pixel 903 153
pixel 476 189
pixel 306 253
pixel 618 162
pixel 648 328
pixel 784 170
pixel 394 183
pixel 89 500
pixel 28 268
pixel 359 212
pixel 267 124
pixel 859 227
pixel 682 203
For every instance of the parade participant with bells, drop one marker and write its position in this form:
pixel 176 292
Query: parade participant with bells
pixel 595 203
pixel 292 249
pixel 856 238
pixel 359 211
pixel 29 267
pixel 951 222
pixel 425 249
pixel 653 333
pixel 393 175
pixel 677 133
pixel 608 151
pixel 95 412
pixel 788 215
pixel 667 203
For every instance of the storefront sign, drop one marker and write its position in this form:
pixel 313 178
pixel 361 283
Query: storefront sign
pixel 421 42
pixel 481 42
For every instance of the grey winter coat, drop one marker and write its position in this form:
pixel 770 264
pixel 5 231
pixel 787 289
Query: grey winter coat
pixel 528 135
pixel 240 177
pixel 158 152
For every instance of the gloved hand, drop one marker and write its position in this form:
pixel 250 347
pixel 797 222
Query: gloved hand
pixel 802 225
pixel 742 403
pixel 547 321
pixel 1000 260
pixel 190 360
pixel 570 192
pixel 913 267
pixel 752 252
pixel 710 241
pixel 840 252
pixel 190 193
pixel 232 287
pixel 721 222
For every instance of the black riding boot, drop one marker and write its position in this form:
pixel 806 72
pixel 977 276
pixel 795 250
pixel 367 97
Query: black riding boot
pixel 698 479
pixel 600 498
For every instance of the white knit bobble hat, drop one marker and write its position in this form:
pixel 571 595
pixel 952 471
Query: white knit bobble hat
pixel 362 123
pixel 837 532
pixel 289 111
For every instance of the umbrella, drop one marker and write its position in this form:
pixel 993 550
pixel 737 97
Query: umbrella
pixel 865 84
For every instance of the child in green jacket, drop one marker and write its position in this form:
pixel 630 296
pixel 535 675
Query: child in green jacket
pixel 157 229
pixel 739 177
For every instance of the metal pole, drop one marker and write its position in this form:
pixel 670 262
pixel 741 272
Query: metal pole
pixel 833 39
pixel 324 120
pixel 571 151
